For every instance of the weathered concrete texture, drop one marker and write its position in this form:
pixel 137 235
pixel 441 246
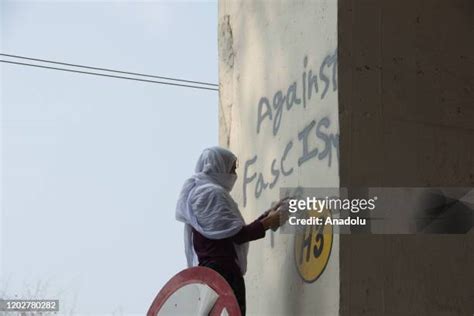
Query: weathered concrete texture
pixel 270 115
pixel 226 75
pixel 406 98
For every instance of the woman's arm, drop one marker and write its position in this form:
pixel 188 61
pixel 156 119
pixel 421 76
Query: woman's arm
pixel 252 231
pixel 272 220
pixel 257 228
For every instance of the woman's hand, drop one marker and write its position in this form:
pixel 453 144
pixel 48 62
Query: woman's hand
pixel 271 220
pixel 276 215
pixel 276 206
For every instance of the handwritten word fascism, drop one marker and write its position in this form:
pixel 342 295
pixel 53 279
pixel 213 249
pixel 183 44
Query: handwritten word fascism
pixel 315 141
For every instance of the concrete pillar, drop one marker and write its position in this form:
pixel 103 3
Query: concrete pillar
pixel 406 97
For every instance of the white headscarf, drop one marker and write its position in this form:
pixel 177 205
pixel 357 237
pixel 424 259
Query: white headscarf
pixel 206 205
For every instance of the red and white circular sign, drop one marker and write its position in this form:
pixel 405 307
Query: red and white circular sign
pixel 195 291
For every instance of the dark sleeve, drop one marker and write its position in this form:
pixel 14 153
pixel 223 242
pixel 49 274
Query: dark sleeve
pixel 262 216
pixel 252 231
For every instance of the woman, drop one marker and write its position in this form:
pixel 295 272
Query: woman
pixel 215 232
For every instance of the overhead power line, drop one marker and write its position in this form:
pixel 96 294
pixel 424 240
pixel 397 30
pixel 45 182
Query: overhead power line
pixel 110 76
pixel 108 69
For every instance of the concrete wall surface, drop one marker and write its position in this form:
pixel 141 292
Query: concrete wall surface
pixel 279 113
pixel 406 85
pixel 395 79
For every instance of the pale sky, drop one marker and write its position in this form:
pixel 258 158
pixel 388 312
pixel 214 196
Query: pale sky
pixel 91 167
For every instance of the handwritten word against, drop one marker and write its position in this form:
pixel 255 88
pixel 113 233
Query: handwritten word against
pixel 306 148
pixel 311 83
pixel 312 248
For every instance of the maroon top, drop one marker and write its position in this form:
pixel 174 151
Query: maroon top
pixel 222 251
